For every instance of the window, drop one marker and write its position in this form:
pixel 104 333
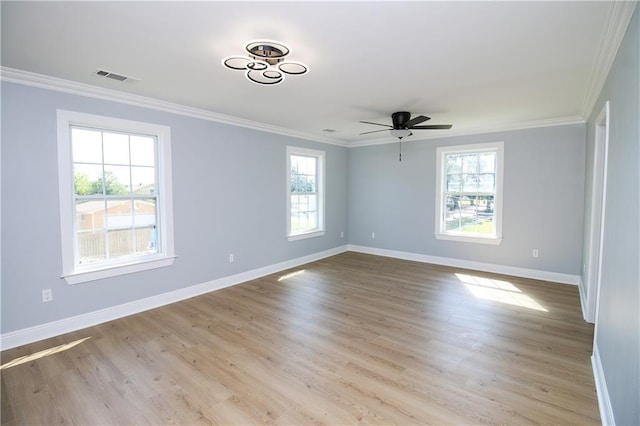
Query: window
pixel 305 189
pixel 115 196
pixel 469 193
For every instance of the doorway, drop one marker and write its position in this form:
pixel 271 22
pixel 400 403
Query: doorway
pixel 596 225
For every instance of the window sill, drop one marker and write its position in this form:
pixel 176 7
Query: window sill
pixel 78 277
pixel 469 239
pixel 311 234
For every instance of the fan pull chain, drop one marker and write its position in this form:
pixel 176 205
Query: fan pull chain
pixel 400 157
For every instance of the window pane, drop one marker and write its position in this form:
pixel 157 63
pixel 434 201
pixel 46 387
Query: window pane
pixel 311 184
pixel 454 164
pixel 120 243
pixel 144 213
pixel 116 148
pixel 469 214
pixel 304 215
pixel 454 183
pixel 86 145
pixel 305 185
pixel 143 150
pixel 469 163
pixel 87 179
pixel 90 231
pixel 119 214
pixel 143 180
pixel 311 166
pixel 89 215
pixel 144 222
pixel 486 182
pixel 146 240
pixel 312 202
pixel 119 223
pixel 470 183
pixel 487 162
pixel 452 212
pixel 117 180
pixel 91 247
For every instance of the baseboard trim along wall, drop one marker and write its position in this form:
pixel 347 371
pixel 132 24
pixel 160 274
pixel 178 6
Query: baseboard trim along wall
pixel 604 403
pixel 66 325
pixel 468 264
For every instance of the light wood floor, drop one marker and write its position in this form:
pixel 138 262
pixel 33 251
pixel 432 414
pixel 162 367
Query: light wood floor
pixel 352 339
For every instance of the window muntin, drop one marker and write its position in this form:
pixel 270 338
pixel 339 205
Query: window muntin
pixel 115 196
pixel 305 199
pixel 469 193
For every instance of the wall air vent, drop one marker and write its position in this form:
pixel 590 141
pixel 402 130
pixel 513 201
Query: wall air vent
pixel 112 75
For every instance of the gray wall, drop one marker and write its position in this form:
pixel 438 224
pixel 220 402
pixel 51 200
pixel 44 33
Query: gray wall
pixel 229 197
pixel 543 199
pixel 618 320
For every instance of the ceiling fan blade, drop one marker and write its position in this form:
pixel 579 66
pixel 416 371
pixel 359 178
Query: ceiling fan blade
pixel 375 131
pixel 416 120
pixel 433 127
pixel 377 124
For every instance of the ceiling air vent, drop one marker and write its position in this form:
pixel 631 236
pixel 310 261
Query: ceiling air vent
pixel 111 75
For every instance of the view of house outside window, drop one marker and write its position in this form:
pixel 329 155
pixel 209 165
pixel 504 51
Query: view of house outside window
pixel 305 193
pixel 115 195
pixel 469 192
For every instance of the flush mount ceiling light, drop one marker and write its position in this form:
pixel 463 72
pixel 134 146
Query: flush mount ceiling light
pixel 265 62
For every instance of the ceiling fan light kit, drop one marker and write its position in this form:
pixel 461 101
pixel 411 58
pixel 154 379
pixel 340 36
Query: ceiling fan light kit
pixel 400 133
pixel 265 62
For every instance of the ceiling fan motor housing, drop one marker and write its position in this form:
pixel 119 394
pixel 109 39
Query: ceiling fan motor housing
pixel 400 118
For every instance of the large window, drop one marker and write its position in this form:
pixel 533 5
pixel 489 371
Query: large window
pixel 115 196
pixel 469 193
pixel 305 189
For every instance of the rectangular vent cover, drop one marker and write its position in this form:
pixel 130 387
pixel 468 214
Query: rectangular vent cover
pixel 111 75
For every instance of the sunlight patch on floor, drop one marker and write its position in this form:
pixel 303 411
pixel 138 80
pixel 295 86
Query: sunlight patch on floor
pixel 498 291
pixel 291 275
pixel 42 354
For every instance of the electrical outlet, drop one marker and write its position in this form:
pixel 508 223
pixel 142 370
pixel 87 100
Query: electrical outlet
pixel 230 257
pixel 534 253
pixel 342 234
pixel 47 295
pixel 373 235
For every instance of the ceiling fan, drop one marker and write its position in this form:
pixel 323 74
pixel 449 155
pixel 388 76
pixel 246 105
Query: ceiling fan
pixel 403 125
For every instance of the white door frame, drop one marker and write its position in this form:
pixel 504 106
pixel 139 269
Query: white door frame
pixel 598 200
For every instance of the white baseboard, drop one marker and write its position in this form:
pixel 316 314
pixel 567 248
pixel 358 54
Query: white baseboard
pixel 468 264
pixel 66 325
pixel 604 403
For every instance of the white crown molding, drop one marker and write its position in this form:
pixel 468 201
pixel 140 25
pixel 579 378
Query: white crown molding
pixel 560 121
pixel 620 14
pixel 27 78
pixel 42 81
pixel 67 325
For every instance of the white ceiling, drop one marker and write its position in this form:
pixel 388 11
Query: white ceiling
pixel 480 66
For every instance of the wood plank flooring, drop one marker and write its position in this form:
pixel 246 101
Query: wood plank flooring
pixel 351 339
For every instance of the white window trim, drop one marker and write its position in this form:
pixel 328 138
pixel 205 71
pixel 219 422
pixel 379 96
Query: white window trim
pixel 320 155
pixel 440 153
pixel 72 274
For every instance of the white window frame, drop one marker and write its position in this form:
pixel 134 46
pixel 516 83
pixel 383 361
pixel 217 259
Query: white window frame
pixel 320 172
pixel 440 231
pixel 74 274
